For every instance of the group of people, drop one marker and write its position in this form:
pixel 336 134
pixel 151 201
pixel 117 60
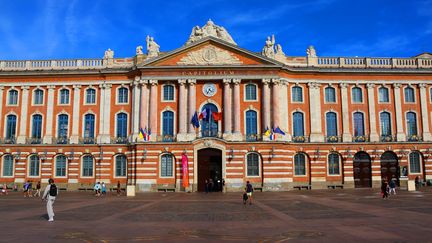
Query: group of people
pixel 28 189
pixel 101 190
pixel 388 187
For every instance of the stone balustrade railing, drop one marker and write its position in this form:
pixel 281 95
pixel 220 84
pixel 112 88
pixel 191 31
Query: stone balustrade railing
pixel 65 64
pixel 373 62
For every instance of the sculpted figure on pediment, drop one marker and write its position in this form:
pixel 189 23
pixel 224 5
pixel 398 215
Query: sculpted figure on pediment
pixel 210 29
pixel 209 55
pixel 109 54
pixel 280 55
pixel 311 52
pixel 152 47
pixel 139 50
pixel 268 49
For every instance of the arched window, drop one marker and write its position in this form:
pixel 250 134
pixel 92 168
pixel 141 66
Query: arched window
pixel 357 95
pixel 209 125
pixel 297 94
pixel 13 97
pixel 358 124
pixel 122 97
pixel 87 166
pixel 90 96
pixel 330 95
pixel 63 124
pixel 89 123
pixel 252 164
pixel 11 121
pixel 8 163
pixel 60 166
pixel 383 95
pixel 122 125
pixel 167 125
pixel 411 124
pixel 166 165
pixel 251 124
pixel 331 123
pixel 409 95
pixel 64 96
pixel 415 164
pixel 385 124
pixel 120 166
pixel 38 97
pixel 333 164
pixel 168 92
pixel 298 124
pixel 34 165
pixel 37 127
pixel 251 92
pixel 299 164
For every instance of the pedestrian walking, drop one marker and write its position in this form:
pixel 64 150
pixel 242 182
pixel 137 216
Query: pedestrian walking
pixel 384 189
pixel 97 189
pixel 249 191
pixel 38 187
pixel 245 197
pixel 392 186
pixel 50 194
pixel 118 188
pixel 4 190
pixel 103 189
pixel 30 189
pixel 25 189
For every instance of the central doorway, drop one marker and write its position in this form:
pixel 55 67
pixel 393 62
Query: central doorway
pixel 362 170
pixel 210 168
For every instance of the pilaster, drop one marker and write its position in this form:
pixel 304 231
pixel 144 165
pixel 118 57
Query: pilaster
pixel 21 139
pixel 144 116
pixel 135 109
pixel 283 110
pixel 424 111
pixel 266 106
pixel 372 114
pixel 182 134
pixel 346 135
pixel 227 108
pixel 400 135
pixel 76 121
pixel 237 136
pixel 1 101
pixel 192 108
pixel 315 112
pixel 48 138
pixel 153 109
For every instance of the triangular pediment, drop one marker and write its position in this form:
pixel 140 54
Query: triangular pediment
pixel 210 52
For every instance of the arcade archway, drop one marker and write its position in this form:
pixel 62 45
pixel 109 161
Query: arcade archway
pixel 210 169
pixel 362 170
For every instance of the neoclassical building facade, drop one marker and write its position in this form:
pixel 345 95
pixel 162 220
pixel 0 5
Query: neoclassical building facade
pixel 213 110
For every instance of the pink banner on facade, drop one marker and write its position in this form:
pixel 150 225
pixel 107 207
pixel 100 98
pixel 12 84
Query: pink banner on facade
pixel 185 171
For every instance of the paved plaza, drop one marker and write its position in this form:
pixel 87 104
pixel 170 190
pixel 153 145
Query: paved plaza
pixel 296 216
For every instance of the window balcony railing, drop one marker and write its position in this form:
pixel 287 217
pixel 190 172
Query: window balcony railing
pixel 333 139
pixel 253 137
pixel 120 140
pixel 300 139
pixel 33 140
pixel 387 138
pixel 414 138
pixel 87 140
pixel 210 133
pixel 9 140
pixel 61 140
pixel 166 138
pixel 360 138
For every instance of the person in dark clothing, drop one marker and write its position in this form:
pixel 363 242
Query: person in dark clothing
pixel 249 190
pixel 384 189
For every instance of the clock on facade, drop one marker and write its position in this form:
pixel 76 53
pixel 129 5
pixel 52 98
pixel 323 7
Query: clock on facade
pixel 209 89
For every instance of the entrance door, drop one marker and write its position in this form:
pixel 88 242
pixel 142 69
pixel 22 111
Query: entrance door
pixel 210 168
pixel 362 170
pixel 389 166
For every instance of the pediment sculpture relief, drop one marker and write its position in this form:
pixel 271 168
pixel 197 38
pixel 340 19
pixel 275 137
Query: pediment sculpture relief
pixel 209 55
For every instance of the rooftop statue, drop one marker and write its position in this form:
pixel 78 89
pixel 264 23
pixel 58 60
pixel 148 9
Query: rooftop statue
pixel 268 49
pixel 210 29
pixel 152 47
pixel 280 55
pixel 108 54
pixel 139 50
pixel 311 51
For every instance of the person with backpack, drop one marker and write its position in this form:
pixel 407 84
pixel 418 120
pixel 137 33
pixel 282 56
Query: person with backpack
pixel 50 194
pixel 392 186
pixel 249 190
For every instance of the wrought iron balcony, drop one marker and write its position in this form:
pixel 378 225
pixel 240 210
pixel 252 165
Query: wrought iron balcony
pixel 9 140
pixel 414 138
pixel 87 140
pixel 333 139
pixel 166 138
pixel 300 139
pixel 210 133
pixel 360 138
pixel 387 138
pixel 253 137
pixel 61 140
pixel 33 140
pixel 120 140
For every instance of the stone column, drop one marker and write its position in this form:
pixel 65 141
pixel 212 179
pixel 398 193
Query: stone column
pixel 283 109
pixel 227 108
pixel 144 104
pixel 48 138
pixel 135 109
pixel 374 137
pixel 104 120
pixel 106 136
pixel 275 103
pixel 424 111
pixel 237 136
pixel 315 112
pixel 21 139
pixel 153 109
pixel 266 106
pixel 400 135
pixel 182 108
pixel 192 108
pixel 76 121
pixel 346 135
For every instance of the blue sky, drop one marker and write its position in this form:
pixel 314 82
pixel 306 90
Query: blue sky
pixel 84 29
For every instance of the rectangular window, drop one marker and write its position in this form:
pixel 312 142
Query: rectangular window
pixel 297 94
pixel 64 96
pixel 8 165
pixel 252 165
pixel 61 166
pixel 330 95
pixel 166 166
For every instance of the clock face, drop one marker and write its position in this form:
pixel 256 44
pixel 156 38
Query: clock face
pixel 209 89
